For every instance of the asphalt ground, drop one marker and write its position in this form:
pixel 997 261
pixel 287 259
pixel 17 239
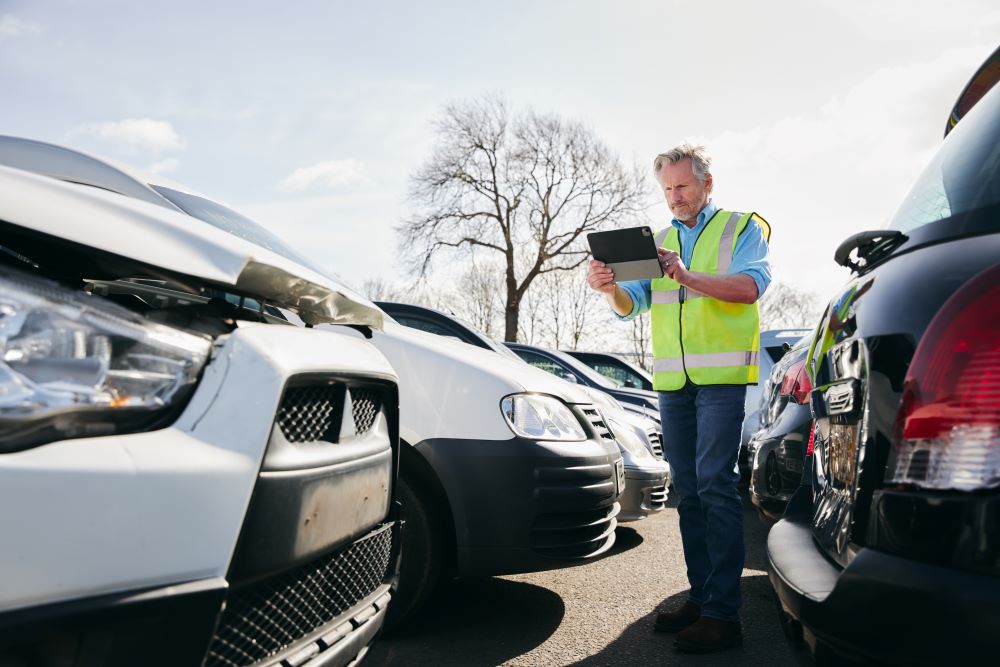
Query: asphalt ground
pixel 599 613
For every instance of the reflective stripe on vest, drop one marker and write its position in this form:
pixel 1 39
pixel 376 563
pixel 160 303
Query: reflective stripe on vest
pixel 696 337
pixel 707 360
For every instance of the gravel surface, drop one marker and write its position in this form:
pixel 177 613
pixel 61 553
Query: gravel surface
pixel 600 613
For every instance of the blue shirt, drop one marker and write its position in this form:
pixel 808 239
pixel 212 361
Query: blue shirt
pixel 749 258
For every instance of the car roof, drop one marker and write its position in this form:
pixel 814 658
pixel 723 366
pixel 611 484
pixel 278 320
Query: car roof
pixel 771 337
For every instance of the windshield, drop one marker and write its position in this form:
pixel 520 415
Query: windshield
pixel 230 221
pixel 585 370
pixel 964 175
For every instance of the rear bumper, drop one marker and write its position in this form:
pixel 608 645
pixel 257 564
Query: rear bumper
pixel 645 492
pixel 883 608
pixel 521 505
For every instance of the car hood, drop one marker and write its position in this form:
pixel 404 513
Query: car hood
pixel 177 243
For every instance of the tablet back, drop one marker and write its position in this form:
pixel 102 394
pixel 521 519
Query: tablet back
pixel 631 253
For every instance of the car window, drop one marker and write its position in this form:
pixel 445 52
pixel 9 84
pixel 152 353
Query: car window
pixel 964 175
pixel 619 375
pixel 776 352
pixel 426 325
pixel 544 363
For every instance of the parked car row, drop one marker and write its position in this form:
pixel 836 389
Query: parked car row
pixel 635 428
pixel 888 549
pixel 209 446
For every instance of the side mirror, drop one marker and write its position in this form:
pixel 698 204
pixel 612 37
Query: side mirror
pixel 569 377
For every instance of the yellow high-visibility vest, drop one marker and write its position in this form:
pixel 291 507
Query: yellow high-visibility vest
pixel 695 336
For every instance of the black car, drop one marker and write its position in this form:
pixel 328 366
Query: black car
pixel 614 367
pixel 778 451
pixel 892 555
pixel 568 368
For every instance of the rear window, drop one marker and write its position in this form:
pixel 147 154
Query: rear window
pixel 964 176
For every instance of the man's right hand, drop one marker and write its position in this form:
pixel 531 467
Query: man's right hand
pixel 600 277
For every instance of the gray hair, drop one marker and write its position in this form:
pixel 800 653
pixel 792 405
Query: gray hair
pixel 701 162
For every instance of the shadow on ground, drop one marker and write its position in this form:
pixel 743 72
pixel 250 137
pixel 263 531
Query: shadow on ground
pixel 639 644
pixel 476 622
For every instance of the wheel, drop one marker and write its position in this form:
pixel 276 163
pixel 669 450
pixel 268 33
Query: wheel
pixel 421 556
pixel 772 478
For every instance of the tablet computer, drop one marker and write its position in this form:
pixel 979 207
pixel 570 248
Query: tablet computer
pixel 631 253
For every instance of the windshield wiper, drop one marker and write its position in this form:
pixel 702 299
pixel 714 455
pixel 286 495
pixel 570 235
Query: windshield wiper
pixel 869 246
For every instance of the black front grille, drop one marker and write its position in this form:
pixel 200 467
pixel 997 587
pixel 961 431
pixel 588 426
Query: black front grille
pixel 597 421
pixel 365 406
pixel 313 413
pixel 268 616
pixel 654 439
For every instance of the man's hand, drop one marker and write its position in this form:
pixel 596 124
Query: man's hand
pixel 672 265
pixel 737 288
pixel 600 278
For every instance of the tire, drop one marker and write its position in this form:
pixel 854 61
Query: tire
pixel 422 555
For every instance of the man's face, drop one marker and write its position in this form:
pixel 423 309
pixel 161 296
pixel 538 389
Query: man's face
pixel 685 194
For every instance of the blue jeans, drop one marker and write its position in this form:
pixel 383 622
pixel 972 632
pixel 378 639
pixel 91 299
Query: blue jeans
pixel 701 441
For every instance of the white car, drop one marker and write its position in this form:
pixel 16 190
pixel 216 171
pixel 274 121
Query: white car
pixel 647 474
pixel 185 478
pixel 503 468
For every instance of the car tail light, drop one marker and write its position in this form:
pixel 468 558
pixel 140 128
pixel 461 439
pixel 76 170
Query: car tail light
pixel 796 383
pixel 947 432
pixel 812 440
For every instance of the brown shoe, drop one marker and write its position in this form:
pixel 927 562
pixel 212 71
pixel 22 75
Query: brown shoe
pixel 678 619
pixel 709 635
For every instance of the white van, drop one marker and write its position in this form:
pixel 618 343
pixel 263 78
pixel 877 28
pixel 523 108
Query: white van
pixel 185 479
pixel 504 468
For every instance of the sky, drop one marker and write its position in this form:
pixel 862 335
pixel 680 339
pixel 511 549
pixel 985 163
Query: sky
pixel 311 116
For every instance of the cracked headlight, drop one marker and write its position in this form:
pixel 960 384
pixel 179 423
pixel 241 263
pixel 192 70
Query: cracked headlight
pixel 75 365
pixel 541 418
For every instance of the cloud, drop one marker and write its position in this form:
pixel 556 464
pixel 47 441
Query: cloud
pixel 136 134
pixel 163 166
pixel 11 26
pixel 331 174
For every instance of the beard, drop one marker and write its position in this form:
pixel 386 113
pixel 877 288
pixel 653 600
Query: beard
pixel 683 213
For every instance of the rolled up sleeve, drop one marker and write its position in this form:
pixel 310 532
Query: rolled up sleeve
pixel 751 257
pixel 639 292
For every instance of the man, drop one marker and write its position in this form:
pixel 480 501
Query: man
pixel 706 336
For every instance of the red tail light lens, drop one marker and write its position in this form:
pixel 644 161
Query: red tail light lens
pixel 796 383
pixel 812 440
pixel 947 432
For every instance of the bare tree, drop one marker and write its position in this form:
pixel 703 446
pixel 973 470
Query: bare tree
pixel 480 301
pixel 784 306
pixel 524 188
pixel 569 308
pixel 641 339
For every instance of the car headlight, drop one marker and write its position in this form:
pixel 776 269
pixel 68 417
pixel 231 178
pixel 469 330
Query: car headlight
pixel 541 418
pixel 628 438
pixel 74 365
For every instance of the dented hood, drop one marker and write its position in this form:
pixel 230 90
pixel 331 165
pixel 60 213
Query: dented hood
pixel 178 243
